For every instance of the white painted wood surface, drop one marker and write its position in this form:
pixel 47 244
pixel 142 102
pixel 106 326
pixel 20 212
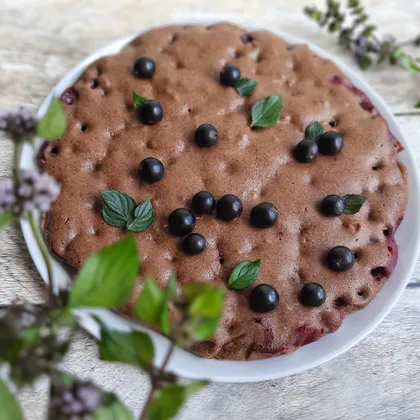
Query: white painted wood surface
pixel 379 378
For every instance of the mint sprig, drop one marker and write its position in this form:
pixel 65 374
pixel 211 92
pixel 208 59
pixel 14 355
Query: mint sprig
pixel 353 203
pixel 245 86
pixel 54 123
pixel 120 210
pixel 107 278
pixel 314 131
pixel 266 112
pixel 138 100
pixel 244 274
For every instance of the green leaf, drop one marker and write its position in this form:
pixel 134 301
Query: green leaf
pixel 245 86
pixel 144 215
pixel 202 328
pixel 9 408
pixel 208 304
pixel 118 208
pixel 6 218
pixel 244 274
pixel 170 399
pixel 138 100
pixel 353 203
pixel 54 123
pixel 364 62
pixel 266 112
pixel 134 347
pixel 417 104
pixel 108 277
pixel 314 131
pixel 171 289
pixel 114 410
pixel 148 307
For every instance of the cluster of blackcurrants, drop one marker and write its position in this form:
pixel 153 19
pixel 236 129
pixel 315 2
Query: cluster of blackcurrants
pixel 329 143
pixel 229 207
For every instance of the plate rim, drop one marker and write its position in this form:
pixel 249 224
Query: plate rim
pixel 243 371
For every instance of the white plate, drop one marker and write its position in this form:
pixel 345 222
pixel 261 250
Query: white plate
pixel 355 326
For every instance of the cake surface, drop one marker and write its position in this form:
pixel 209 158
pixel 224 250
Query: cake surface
pixel 105 143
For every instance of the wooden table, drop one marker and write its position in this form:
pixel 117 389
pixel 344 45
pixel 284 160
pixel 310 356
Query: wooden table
pixel 378 379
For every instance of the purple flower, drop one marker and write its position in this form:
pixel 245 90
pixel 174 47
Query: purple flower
pixel 7 195
pixel 18 122
pixel 34 192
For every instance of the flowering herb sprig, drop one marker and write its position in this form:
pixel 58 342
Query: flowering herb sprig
pixel 35 338
pixel 358 35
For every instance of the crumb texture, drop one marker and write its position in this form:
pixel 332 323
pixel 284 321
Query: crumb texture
pixel 105 143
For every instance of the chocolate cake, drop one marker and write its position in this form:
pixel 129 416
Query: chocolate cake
pixel 279 200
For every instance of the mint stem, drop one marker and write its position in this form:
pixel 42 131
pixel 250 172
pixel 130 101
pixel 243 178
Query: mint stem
pixel 46 256
pixel 155 383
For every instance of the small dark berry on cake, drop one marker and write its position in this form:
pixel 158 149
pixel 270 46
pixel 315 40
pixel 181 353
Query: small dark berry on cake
pixel 69 95
pixel 340 258
pixel 229 75
pixel 306 151
pixel 229 207
pixel 246 38
pixel 264 215
pixel 332 205
pixel 264 298
pixel 194 244
pixel 150 112
pixel 205 135
pixel 94 84
pixel 203 203
pixel 151 170
pixel 144 68
pixel 312 294
pixel 181 222
pixel 330 143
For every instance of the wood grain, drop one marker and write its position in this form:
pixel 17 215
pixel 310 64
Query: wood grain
pixel 378 378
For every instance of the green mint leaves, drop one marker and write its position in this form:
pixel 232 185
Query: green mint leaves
pixel 54 123
pixel 314 131
pixel 245 86
pixel 134 347
pixel 266 112
pixel 144 216
pixel 6 218
pixel 138 100
pixel 9 408
pixel 107 278
pixel 244 274
pixel 353 203
pixel 170 399
pixel 121 210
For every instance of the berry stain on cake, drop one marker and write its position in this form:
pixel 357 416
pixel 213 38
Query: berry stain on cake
pixel 308 199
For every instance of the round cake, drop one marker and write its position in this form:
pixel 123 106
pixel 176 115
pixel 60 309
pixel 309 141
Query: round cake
pixel 297 172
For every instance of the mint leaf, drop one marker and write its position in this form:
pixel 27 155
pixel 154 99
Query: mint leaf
pixel 245 86
pixel 353 203
pixel 170 399
pixel 266 112
pixel 54 123
pixel 9 408
pixel 202 328
pixel 417 104
pixel 208 303
pixel 112 410
pixel 134 347
pixel 118 208
pixel 6 218
pixel 314 131
pixel 144 215
pixel 138 100
pixel 171 289
pixel 148 307
pixel 244 274
pixel 108 277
